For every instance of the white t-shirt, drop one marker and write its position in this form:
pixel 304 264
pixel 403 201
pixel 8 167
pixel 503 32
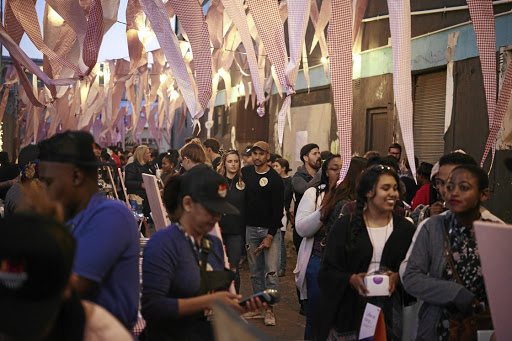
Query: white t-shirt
pixel 378 237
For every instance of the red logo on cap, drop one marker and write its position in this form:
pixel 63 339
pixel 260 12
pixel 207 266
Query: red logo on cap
pixel 12 274
pixel 222 191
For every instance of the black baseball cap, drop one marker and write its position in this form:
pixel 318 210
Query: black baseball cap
pixel 69 147
pixel 36 258
pixel 247 150
pixel 208 188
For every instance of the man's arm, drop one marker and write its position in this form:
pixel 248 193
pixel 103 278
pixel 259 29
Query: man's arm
pixel 87 289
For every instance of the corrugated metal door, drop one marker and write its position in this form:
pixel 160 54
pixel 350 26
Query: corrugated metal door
pixel 429 108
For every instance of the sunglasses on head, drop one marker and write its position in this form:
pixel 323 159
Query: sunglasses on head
pixel 381 168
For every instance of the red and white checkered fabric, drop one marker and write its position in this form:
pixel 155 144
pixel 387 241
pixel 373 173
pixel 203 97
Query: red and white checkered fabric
pixel 482 15
pixel 94 34
pixel 267 19
pixel 298 17
pixel 190 14
pixel 339 43
pixel 26 15
pixel 270 28
pixel 157 14
pixel 501 109
pixel 236 12
pixel 400 24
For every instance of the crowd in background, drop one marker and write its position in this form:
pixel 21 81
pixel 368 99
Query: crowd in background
pixel 379 220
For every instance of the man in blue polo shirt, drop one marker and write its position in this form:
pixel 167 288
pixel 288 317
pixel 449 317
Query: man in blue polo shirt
pixel 107 256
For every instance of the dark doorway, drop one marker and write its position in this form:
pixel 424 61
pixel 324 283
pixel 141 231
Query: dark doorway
pixel 377 132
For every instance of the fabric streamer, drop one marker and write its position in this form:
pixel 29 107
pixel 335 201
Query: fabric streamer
pixel 400 24
pixel 236 12
pixel 482 16
pixel 271 30
pixel 339 42
pixel 190 14
pixel 157 14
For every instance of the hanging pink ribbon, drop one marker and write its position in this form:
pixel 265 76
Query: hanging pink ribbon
pixel 270 28
pixel 157 14
pixel 236 12
pixel 482 16
pixel 400 24
pixel 190 14
pixel 339 42
pixel 298 15
pixel 501 109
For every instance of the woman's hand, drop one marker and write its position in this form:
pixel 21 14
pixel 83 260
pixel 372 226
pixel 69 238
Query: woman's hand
pixel 357 282
pixel 393 280
pixel 228 299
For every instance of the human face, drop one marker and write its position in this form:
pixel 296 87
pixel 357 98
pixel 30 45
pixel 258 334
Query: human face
pixel 202 219
pixel 167 167
pixel 385 194
pixel 313 158
pixel 277 167
pixel 147 156
pixel 333 171
pixel 232 163
pixel 442 178
pixel 259 157
pixel 462 193
pixel 60 179
pixel 395 152
pixel 247 160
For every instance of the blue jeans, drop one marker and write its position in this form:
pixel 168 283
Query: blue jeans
pixel 283 252
pixel 233 243
pixel 265 266
pixel 313 295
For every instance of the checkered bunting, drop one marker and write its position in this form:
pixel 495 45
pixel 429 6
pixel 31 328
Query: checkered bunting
pixel 339 43
pixel 482 15
pixel 267 19
pixel 400 24
pixel 236 12
pixel 501 109
pixel 157 14
pixel 191 16
pixel 94 34
pixel 270 28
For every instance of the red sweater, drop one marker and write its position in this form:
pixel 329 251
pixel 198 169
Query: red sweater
pixel 422 197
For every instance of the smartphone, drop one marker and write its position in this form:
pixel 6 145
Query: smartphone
pixel 269 296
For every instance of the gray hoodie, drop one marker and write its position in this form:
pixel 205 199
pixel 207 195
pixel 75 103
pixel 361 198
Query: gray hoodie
pixel 422 273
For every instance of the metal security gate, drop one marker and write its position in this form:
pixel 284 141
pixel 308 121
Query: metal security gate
pixel 429 116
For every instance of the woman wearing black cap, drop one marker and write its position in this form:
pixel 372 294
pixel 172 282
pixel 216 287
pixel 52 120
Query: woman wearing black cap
pixel 183 269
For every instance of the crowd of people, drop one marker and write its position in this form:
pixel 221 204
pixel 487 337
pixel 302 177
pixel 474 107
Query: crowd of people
pixel 70 256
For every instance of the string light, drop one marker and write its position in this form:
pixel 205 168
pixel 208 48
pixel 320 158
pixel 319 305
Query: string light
pixel 323 60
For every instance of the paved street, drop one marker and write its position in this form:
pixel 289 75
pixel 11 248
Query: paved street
pixel 289 323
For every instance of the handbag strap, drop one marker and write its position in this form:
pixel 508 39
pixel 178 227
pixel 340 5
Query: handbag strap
pixel 205 251
pixel 448 253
